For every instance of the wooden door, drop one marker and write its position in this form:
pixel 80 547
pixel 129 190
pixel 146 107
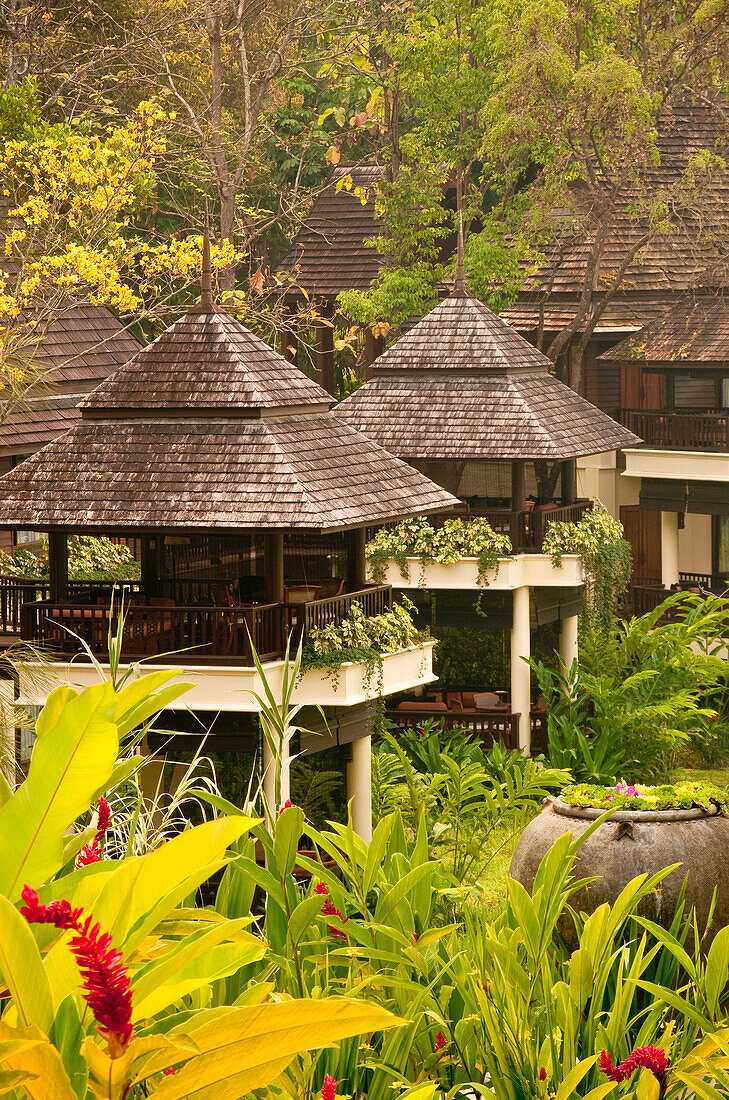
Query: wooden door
pixel 643 532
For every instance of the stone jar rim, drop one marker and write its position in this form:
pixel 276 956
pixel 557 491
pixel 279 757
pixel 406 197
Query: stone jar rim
pixel 661 817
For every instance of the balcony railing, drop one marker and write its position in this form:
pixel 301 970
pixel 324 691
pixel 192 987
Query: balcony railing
pixel 681 431
pixel 194 634
pixel 646 596
pixel 16 591
pixel 526 529
pixel 488 726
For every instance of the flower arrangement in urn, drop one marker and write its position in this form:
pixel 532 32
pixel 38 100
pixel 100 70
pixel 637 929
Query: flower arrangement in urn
pixel 639 796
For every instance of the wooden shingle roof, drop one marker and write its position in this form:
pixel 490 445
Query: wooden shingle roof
pixel 254 447
pixel 463 384
pixel 693 330
pixel 206 361
pixel 330 252
pixel 670 263
pixel 81 347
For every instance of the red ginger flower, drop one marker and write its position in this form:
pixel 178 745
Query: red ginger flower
pixel 329 909
pixel 92 853
pixel 329 1088
pixel 105 977
pixel 440 1042
pixel 542 1073
pixel 651 1058
pixel 286 806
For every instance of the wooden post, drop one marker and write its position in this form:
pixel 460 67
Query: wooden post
pixel 58 565
pixel 273 566
pixel 356 559
pixel 373 348
pixel 325 349
pixel 569 481
pixel 518 484
pixel 150 565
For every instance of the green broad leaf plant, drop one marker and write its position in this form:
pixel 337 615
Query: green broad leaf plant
pixel 113 981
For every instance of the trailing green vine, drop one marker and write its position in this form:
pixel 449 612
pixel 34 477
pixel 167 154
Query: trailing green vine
pixel 455 539
pixel 364 640
pixel 607 557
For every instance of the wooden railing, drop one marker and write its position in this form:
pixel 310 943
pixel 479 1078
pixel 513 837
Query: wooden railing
pixel 374 600
pixel 16 591
pixel 488 726
pixel 194 634
pixel 695 431
pixel 646 596
pixel 527 529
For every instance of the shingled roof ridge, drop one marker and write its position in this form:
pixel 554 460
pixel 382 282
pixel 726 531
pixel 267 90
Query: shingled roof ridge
pixel 222 359
pixel 505 350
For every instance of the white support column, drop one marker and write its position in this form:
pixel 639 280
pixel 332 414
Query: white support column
pixel 520 671
pixel 568 641
pixel 359 787
pixel 669 548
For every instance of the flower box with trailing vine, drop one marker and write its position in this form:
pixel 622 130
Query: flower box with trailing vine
pixel 416 540
pixel 534 570
pixel 364 642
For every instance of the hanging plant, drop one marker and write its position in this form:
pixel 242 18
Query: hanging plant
pixel 363 640
pixel 456 539
pixel 607 557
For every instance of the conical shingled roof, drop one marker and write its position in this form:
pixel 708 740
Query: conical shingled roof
pixel 463 384
pixel 210 429
pixel 207 360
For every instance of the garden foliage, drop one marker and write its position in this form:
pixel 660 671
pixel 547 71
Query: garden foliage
pixel 644 690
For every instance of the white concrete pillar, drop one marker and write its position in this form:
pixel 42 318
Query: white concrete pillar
pixel 359 787
pixel 520 671
pixel 669 548
pixel 568 640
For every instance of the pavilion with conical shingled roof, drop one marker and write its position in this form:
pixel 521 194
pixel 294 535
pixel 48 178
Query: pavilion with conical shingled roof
pixel 251 502
pixel 462 395
pixel 465 399
pixel 226 461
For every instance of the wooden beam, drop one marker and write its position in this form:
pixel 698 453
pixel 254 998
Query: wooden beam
pixel 58 565
pixel 150 564
pixel 373 348
pixel 518 484
pixel 569 481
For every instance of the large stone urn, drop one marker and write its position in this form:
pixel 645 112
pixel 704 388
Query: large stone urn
pixel 635 842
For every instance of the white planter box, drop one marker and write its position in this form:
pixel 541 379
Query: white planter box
pixel 226 687
pixel 535 570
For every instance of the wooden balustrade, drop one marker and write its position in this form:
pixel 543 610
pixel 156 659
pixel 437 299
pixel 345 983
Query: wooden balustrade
pixel 681 431
pixel 194 634
pixel 488 726
pixel 374 600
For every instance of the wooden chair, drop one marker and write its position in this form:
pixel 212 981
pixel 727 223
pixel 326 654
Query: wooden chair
pixel 441 708
pixel 330 588
pixel 454 700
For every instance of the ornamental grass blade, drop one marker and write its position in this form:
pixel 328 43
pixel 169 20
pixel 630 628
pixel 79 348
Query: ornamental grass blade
pixel 73 756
